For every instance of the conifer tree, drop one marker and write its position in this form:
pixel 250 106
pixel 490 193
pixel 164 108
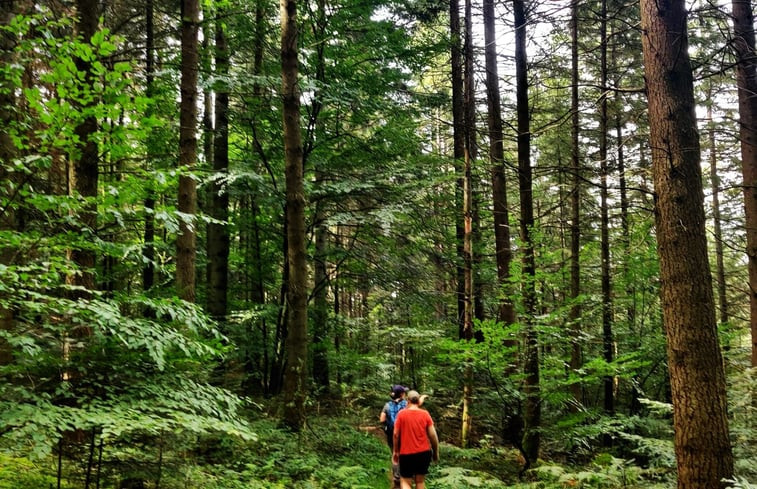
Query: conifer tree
pixel 697 377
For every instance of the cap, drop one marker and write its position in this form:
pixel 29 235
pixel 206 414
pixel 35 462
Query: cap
pixel 397 391
pixel 413 397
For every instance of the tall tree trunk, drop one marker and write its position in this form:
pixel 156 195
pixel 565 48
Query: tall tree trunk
pixel 320 297
pixel 469 156
pixel 257 366
pixel 338 307
pixel 295 378
pixel 576 354
pixel 532 411
pixel 697 377
pixel 218 233
pixel 148 250
pixel 86 161
pixel 320 302
pixel 720 283
pixel 607 339
pixel 187 238
pixel 625 232
pixel 7 154
pixel 503 252
pixel 458 149
pixel 746 77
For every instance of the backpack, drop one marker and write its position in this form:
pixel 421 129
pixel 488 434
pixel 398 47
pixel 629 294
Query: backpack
pixel 392 409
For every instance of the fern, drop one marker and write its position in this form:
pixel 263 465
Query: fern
pixel 457 477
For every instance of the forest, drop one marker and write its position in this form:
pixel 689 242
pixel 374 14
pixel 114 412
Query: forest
pixel 229 227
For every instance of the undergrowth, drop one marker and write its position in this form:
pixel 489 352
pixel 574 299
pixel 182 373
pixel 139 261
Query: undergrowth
pixel 341 451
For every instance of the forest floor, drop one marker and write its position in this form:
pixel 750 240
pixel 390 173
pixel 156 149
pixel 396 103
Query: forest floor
pixel 338 449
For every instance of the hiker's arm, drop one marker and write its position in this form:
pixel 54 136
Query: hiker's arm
pixel 434 439
pixel 382 417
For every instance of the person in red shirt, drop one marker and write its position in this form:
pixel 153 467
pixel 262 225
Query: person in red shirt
pixel 415 442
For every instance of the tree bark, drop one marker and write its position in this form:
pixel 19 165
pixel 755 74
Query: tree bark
pixel 258 364
pixel 720 282
pixel 295 377
pixel 607 313
pixel 87 159
pixel 697 377
pixel 746 78
pixel 532 411
pixel 320 293
pixel 503 251
pixel 218 233
pixel 148 250
pixel 458 149
pixel 625 230
pixel 320 303
pixel 187 205
pixel 469 156
pixel 7 154
pixel 576 353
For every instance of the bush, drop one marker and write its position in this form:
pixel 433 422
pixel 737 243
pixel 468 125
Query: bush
pixel 21 473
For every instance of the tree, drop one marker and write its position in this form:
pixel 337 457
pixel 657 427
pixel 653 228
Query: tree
pixel 218 232
pixel 86 169
pixel 607 312
pixel 697 377
pixel 187 238
pixel 295 377
pixel 503 251
pixel 468 211
pixel 532 411
pixel 320 273
pixel 148 269
pixel 575 209
pixel 458 150
pixel 720 281
pixel 7 154
pixel 746 78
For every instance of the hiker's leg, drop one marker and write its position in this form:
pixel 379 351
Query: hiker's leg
pixel 406 483
pixel 420 481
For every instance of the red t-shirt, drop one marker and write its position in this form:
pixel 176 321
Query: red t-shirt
pixel 410 426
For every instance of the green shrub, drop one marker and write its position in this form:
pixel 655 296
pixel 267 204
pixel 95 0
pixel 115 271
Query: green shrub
pixel 21 473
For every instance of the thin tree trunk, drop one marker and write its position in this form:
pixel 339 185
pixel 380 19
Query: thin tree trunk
pixel 469 156
pixel 187 205
pixel 607 314
pixel 218 233
pixel 532 410
pixel 254 280
pixel 295 378
pixel 697 377
pixel 7 154
pixel 86 170
pixel 320 296
pixel 338 308
pixel 320 303
pixel 90 459
pixel 458 148
pixel 148 250
pixel 746 78
pixel 625 235
pixel 576 354
pixel 503 251
pixel 720 284
pixel 206 66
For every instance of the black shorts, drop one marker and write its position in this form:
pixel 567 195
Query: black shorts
pixel 414 464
